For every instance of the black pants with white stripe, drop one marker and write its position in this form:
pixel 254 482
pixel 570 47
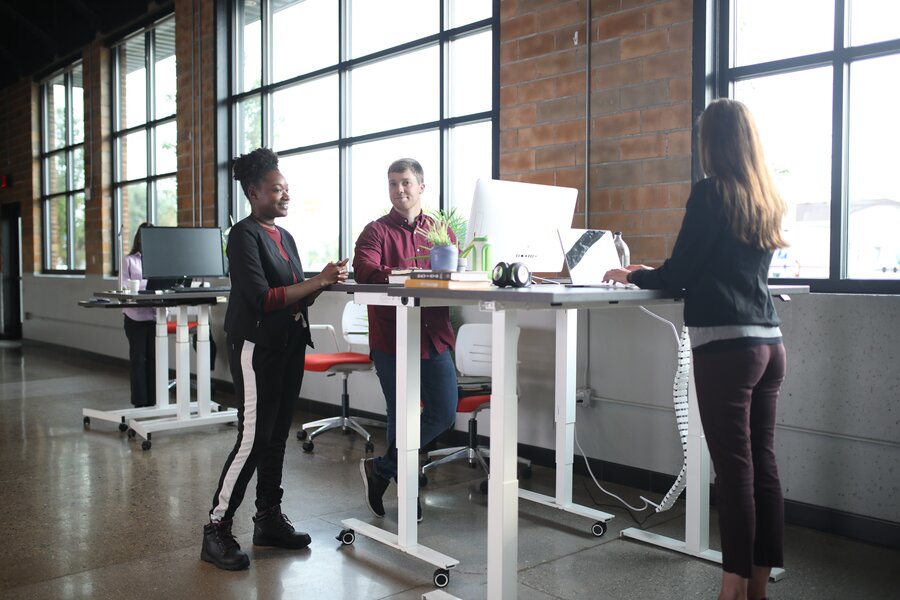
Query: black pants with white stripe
pixel 266 382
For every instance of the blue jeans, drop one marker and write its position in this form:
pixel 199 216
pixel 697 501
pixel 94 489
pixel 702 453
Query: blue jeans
pixel 439 396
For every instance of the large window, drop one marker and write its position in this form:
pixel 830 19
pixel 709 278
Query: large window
pixel 62 171
pixel 821 78
pixel 144 134
pixel 341 88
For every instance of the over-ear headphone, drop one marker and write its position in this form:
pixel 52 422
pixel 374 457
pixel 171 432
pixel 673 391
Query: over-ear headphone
pixel 511 275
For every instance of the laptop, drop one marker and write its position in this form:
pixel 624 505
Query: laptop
pixel 589 254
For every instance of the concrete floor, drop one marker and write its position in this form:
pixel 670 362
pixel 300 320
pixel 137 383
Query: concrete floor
pixel 88 514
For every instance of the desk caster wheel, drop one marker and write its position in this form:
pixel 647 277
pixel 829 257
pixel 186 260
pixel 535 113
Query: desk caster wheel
pixel 370 447
pixel 441 578
pixel 301 434
pixel 483 486
pixel 308 446
pixel 123 427
pixel 346 537
pixel 86 421
pixel 145 445
pixel 131 432
pixel 598 528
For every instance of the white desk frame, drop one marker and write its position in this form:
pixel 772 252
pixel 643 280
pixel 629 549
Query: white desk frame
pixel 503 488
pixel 408 432
pixel 184 414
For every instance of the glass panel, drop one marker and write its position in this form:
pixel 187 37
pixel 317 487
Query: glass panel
pixel 249 64
pixel 77 105
pixel 166 203
pixel 463 12
pixel 132 83
pixel 470 159
pixel 371 109
pixel 387 23
pixel 767 30
pixel 242 206
pixel 78 233
pixel 56 113
pixel 58 234
pixel 56 177
pixel 369 163
pixel 134 155
pixel 313 216
pixel 873 248
pixel 78 168
pixel 249 123
pixel 793 114
pixel 305 36
pixel 133 201
pixel 166 157
pixel 306 114
pixel 873 21
pixel 470 74
pixel 164 69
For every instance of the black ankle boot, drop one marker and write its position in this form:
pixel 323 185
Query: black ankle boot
pixel 221 549
pixel 272 528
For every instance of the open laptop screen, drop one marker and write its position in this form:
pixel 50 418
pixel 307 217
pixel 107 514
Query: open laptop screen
pixel 589 254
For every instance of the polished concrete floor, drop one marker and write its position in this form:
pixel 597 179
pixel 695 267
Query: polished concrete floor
pixel 88 514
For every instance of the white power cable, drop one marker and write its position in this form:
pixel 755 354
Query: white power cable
pixel 680 400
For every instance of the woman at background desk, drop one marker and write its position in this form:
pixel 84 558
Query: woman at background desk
pixel 731 227
pixel 140 329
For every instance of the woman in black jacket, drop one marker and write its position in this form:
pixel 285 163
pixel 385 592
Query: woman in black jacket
pixel 267 333
pixel 731 227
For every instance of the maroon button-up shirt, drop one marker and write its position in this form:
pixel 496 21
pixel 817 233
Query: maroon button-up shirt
pixel 389 243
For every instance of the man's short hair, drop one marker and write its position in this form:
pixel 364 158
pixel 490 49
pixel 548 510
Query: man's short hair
pixel 403 164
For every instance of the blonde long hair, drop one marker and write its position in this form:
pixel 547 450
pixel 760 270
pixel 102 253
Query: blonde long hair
pixel 731 152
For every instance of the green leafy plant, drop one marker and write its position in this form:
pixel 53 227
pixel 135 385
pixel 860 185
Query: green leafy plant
pixel 442 223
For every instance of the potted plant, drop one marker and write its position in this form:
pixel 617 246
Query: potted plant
pixel 445 254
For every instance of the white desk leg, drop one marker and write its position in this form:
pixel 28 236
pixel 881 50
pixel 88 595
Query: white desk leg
pixel 696 518
pixel 162 358
pixel 503 489
pixel 203 367
pixel 566 351
pixel 182 365
pixel 409 368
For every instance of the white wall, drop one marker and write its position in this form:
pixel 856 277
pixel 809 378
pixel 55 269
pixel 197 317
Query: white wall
pixel 838 439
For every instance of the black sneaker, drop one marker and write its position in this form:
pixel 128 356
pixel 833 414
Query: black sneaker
pixel 273 528
pixel 375 485
pixel 221 549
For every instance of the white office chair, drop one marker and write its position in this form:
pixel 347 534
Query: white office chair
pixel 355 326
pixel 473 361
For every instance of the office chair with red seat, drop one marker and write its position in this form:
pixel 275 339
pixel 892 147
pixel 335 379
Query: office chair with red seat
pixel 473 361
pixel 355 326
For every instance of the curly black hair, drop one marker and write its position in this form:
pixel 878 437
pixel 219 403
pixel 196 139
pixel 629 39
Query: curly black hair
pixel 250 168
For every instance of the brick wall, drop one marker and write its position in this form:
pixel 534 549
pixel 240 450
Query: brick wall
pixel 639 152
pixel 19 139
pixel 100 243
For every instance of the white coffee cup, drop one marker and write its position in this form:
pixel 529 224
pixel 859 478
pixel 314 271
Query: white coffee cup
pixel 133 285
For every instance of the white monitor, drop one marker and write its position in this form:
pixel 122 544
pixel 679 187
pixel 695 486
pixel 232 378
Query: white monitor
pixel 521 221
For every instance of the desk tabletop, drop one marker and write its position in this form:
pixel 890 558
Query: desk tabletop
pixel 549 295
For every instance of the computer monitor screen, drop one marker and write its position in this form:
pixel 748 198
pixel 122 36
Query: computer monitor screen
pixel 181 253
pixel 521 221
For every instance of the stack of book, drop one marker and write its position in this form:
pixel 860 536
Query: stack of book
pixel 449 280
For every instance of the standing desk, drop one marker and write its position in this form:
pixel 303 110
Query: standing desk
pixel 503 490
pixel 184 414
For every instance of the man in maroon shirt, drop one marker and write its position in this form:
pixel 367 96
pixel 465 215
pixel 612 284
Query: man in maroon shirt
pixel 391 242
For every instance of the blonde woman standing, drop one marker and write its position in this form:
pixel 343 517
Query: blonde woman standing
pixel 731 228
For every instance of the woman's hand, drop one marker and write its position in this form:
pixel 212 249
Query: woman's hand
pixel 621 275
pixel 334 272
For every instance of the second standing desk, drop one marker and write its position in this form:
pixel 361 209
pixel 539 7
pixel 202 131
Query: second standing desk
pixel 504 306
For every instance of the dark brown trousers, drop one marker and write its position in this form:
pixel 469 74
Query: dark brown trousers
pixel 737 391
